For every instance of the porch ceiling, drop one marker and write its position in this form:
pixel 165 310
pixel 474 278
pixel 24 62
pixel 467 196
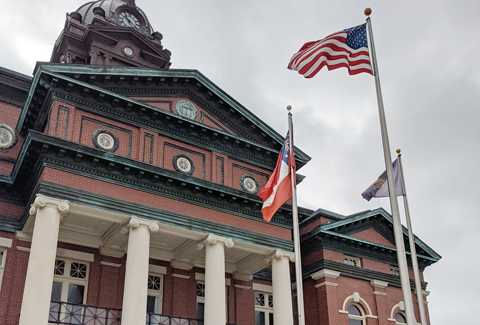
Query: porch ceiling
pixel 96 228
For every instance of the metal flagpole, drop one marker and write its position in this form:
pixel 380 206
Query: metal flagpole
pixel 413 251
pixel 397 224
pixel 296 232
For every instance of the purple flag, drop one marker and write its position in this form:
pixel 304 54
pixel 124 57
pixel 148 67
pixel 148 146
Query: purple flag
pixel 380 187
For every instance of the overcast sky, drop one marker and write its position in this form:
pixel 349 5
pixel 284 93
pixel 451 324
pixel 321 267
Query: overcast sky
pixel 429 62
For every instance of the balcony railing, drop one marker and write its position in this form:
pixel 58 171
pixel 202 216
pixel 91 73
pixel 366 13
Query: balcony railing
pixel 77 314
pixel 157 319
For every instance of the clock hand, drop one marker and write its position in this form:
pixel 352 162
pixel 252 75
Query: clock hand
pixel 131 21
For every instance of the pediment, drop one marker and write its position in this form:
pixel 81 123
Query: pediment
pixel 131 93
pixel 376 227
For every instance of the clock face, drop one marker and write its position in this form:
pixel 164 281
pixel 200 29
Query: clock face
pixel 127 19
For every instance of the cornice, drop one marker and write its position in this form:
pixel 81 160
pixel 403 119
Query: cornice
pixel 357 273
pixel 41 151
pixel 318 239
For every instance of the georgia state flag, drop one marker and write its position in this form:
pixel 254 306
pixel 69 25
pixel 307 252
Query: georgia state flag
pixel 279 186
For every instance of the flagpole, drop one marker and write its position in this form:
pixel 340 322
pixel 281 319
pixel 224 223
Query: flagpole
pixel 296 232
pixel 413 250
pixel 397 224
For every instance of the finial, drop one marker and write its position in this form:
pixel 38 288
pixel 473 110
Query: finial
pixel 398 150
pixel 368 12
pixel 289 107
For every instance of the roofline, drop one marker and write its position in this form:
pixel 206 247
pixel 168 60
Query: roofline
pixel 386 215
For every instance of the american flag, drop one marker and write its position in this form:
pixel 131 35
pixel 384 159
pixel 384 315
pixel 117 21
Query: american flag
pixel 348 48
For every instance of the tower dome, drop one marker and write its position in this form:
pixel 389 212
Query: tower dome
pixel 118 12
pixel 110 33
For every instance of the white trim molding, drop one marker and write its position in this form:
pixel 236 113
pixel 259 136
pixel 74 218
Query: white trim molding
pixel 262 287
pixel 359 300
pixel 325 273
pixel 5 242
pixel 325 283
pixel 80 256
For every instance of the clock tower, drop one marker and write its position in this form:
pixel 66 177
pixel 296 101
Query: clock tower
pixel 110 33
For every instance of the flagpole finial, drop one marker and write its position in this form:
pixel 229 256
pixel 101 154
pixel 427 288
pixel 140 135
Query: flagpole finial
pixel 368 12
pixel 289 107
pixel 398 150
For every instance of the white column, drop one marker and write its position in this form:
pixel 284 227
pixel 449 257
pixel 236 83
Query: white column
pixel 41 263
pixel 282 288
pixel 134 306
pixel 215 313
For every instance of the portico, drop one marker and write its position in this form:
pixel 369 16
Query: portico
pixel 114 234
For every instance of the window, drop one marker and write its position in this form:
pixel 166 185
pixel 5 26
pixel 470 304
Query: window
pixel 263 308
pixel 155 289
pixel 69 291
pixel 3 255
pixel 351 261
pixel 200 302
pixel 400 319
pixel 356 316
pixel 394 271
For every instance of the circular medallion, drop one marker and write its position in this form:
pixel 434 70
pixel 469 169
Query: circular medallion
pixel 127 50
pixel 249 184
pixel 106 140
pixel 186 109
pixel 7 137
pixel 183 164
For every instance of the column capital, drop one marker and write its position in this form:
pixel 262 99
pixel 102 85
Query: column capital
pixel 279 254
pixel 42 201
pixel 136 222
pixel 212 239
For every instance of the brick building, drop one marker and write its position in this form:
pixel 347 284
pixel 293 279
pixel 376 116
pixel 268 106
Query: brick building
pixel 129 195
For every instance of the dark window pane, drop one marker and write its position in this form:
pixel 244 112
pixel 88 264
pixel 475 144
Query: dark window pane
pixel 56 291
pixel 59 267
pixel 270 317
pixel 400 318
pixel 355 322
pixel 353 310
pixel 152 304
pixel 1 257
pixel 200 311
pixel 259 318
pixel 75 293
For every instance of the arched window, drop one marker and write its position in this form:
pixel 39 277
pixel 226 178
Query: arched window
pixel 400 319
pixel 356 316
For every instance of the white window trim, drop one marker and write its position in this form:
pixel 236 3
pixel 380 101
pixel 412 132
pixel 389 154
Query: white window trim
pixel 354 259
pixel 266 309
pixel 5 243
pixel 360 301
pixel 66 279
pixel 159 271
pixel 199 277
pixel 362 311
